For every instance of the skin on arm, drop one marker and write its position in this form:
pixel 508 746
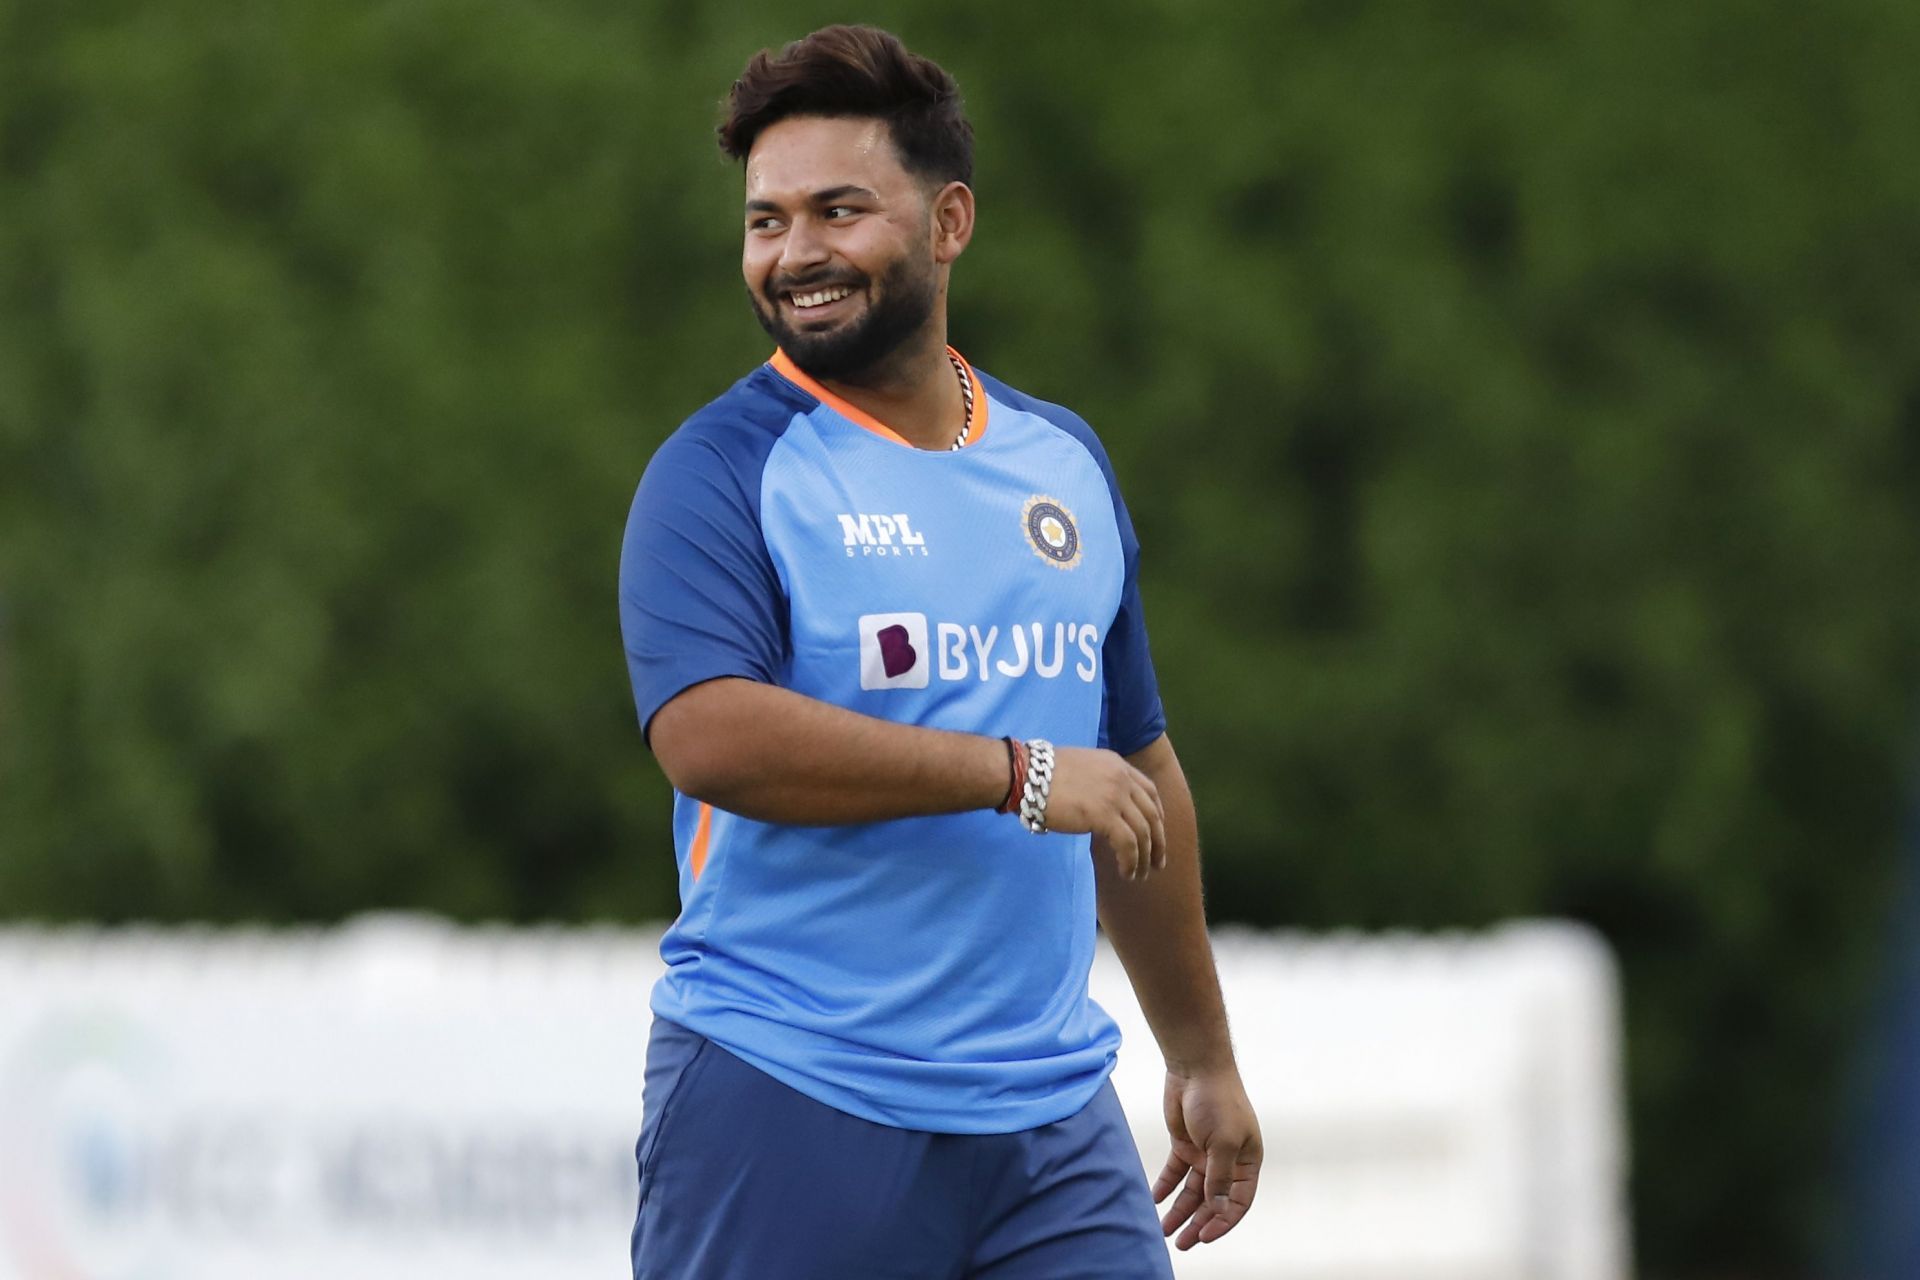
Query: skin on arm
pixel 778 756
pixel 1159 931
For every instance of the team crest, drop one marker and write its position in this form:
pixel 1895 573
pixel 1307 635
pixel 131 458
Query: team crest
pixel 1051 532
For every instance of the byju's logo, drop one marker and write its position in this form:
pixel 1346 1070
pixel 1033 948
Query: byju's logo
pixel 893 651
pixel 876 535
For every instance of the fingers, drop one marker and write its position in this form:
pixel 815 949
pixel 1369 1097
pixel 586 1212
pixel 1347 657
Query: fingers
pixel 1169 1177
pixel 1158 825
pixel 1123 840
pixel 1192 1196
pixel 1141 825
pixel 1142 849
pixel 1226 1193
pixel 1098 791
pixel 1216 1190
pixel 1215 1218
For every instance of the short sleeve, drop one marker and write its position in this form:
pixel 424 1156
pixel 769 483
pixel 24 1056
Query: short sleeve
pixel 1131 716
pixel 699 596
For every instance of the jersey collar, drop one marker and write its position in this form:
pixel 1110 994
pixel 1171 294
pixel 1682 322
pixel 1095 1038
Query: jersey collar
pixel 783 364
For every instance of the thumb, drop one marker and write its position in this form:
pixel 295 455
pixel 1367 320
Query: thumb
pixel 1221 1156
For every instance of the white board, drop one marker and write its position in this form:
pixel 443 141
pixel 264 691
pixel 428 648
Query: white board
pixel 399 1098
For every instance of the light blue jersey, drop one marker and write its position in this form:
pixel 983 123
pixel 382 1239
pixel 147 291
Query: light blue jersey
pixel 927 973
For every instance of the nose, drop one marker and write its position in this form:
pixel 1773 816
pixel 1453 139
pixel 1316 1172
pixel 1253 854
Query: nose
pixel 802 248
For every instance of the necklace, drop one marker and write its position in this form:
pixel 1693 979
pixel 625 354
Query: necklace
pixel 966 397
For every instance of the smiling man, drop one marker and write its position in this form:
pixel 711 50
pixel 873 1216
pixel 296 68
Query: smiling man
pixel 885 635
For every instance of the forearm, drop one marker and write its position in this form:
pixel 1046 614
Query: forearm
pixel 771 754
pixel 1158 929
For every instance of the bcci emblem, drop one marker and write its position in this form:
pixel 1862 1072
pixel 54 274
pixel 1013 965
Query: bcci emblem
pixel 1050 529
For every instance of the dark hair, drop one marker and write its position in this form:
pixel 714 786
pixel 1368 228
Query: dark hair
pixel 856 71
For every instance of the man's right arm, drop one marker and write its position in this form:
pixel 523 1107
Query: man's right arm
pixel 770 754
pixel 702 612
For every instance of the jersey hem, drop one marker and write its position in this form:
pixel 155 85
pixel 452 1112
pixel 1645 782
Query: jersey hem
pixel 973 1118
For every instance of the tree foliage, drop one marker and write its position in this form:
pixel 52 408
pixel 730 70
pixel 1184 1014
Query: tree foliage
pixel 1519 404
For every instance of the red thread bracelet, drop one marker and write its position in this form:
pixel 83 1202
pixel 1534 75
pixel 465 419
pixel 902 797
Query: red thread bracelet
pixel 1017 771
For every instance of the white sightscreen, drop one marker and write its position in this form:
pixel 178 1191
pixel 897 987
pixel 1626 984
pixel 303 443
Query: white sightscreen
pixel 398 1098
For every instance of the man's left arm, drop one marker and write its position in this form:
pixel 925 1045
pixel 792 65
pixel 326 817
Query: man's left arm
pixel 1159 930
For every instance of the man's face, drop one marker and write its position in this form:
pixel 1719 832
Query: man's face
pixel 839 255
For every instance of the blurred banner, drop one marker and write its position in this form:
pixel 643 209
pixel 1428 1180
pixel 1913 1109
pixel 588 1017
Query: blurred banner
pixel 400 1098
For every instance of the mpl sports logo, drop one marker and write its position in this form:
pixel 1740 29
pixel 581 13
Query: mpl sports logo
pixel 867 534
pixel 895 652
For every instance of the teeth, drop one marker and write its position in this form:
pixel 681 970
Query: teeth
pixel 821 297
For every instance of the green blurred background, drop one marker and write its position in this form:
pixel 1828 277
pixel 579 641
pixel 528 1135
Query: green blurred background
pixel 1519 404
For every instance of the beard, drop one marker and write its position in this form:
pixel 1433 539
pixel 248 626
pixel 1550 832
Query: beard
pixel 896 310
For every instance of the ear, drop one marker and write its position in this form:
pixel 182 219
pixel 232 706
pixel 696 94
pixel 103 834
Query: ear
pixel 951 220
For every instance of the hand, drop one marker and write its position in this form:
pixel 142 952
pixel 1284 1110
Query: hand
pixel 1216 1155
pixel 1100 792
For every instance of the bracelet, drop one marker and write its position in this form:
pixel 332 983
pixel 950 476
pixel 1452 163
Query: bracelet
pixel 1016 774
pixel 1038 785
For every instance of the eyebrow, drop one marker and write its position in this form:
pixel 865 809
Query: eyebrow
pixel 827 196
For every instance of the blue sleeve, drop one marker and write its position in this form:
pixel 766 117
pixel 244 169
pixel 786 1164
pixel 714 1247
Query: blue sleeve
pixel 1132 716
pixel 699 596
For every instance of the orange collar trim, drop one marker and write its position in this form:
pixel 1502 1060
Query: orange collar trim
pixel 783 365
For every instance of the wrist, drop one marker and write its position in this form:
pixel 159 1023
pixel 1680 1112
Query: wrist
pixel 1017 761
pixel 985 772
pixel 1193 1062
pixel 1028 781
pixel 1035 788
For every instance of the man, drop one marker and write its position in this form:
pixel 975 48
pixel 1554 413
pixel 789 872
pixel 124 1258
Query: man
pixel 886 642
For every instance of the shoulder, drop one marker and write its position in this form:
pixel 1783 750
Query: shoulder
pixel 728 440
pixel 735 431
pixel 1059 417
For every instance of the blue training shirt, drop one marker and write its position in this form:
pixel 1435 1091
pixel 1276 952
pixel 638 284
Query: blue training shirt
pixel 926 973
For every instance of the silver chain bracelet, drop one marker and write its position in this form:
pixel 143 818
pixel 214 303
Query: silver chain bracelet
pixel 1039 785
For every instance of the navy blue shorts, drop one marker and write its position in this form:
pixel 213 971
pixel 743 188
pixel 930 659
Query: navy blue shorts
pixel 745 1178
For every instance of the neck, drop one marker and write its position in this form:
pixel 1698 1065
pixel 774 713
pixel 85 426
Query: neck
pixel 913 391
